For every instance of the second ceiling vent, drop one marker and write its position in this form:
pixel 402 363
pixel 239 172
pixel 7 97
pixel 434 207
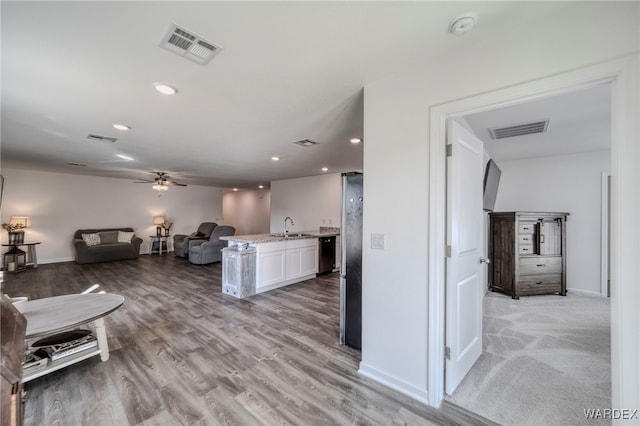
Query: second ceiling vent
pixel 306 142
pixel 530 128
pixel 189 45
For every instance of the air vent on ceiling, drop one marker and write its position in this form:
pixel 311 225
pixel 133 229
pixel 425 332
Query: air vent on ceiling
pixel 306 142
pixel 530 128
pixel 100 138
pixel 189 45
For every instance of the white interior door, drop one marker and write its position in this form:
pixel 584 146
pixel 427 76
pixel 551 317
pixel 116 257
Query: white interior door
pixel 464 290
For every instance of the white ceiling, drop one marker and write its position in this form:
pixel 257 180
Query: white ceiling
pixel 579 121
pixel 288 71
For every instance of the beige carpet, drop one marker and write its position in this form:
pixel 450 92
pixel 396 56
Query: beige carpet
pixel 546 359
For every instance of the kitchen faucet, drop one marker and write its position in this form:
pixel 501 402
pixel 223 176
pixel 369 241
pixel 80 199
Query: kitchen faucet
pixel 286 232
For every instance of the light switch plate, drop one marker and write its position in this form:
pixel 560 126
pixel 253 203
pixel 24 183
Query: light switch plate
pixel 377 241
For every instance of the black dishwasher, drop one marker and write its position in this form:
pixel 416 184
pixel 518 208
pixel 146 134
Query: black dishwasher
pixel 327 253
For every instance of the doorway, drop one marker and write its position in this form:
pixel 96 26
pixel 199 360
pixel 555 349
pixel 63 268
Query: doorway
pixel 553 167
pixel 621 74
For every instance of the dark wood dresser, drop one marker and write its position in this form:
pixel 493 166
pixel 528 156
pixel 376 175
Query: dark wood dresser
pixel 13 327
pixel 528 253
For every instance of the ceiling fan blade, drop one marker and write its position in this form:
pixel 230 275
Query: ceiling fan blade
pixel 144 181
pixel 176 183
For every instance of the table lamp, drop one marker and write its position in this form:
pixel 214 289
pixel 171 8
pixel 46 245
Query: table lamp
pixel 158 220
pixel 19 223
pixel 21 220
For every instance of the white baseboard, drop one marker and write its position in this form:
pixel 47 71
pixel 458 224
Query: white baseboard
pixel 584 292
pixel 59 260
pixel 418 394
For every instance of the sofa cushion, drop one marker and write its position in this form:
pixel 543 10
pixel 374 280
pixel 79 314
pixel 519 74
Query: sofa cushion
pixel 91 239
pixel 125 237
pixel 108 237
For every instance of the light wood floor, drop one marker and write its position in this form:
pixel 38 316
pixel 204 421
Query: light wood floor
pixel 184 353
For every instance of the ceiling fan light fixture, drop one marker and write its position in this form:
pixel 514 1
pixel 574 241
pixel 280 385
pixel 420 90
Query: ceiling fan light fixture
pixel 160 187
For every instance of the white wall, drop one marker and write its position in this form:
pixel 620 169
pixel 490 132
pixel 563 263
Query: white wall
pixel 568 183
pixel 59 204
pixel 311 202
pixel 396 162
pixel 248 211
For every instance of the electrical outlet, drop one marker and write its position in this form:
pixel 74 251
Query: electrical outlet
pixel 377 241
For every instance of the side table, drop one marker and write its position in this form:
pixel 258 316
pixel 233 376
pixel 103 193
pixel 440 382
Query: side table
pixel 15 255
pixel 163 244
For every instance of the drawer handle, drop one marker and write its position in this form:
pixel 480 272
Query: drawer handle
pixel 541 264
pixel 538 282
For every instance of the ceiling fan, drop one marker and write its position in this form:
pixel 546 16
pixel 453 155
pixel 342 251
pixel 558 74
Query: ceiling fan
pixel 161 182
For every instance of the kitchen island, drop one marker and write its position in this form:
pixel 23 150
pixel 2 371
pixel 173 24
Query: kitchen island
pixel 279 260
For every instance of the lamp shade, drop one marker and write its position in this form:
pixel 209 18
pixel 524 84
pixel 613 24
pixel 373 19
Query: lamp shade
pixel 21 220
pixel 158 220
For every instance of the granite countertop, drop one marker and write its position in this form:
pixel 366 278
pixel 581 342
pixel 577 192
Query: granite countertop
pixel 275 237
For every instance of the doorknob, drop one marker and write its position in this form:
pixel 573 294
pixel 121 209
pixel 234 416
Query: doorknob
pixel 485 260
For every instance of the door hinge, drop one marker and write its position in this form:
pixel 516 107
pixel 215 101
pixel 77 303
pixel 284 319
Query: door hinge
pixel 449 150
pixel 447 251
pixel 447 352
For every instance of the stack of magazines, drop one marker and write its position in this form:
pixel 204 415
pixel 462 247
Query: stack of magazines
pixel 65 344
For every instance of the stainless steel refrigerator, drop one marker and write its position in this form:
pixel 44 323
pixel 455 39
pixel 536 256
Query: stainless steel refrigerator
pixel 351 262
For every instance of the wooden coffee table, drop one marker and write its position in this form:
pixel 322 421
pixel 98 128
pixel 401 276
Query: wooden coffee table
pixel 54 314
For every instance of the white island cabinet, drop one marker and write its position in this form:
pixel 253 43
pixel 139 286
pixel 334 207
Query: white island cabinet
pixel 285 262
pixel 301 258
pixel 271 264
pixel 281 261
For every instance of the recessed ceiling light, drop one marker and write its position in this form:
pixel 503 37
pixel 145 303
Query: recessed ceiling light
pixel 124 157
pixel 274 158
pixel 121 126
pixel 260 186
pixel 165 89
pixel 355 140
pixel 235 189
pixel 324 169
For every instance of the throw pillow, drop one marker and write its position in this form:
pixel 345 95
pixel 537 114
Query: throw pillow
pixel 91 239
pixel 125 237
pixel 108 237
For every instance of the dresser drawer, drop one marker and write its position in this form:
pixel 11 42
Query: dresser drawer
pixel 525 239
pixel 549 283
pixel 540 265
pixel 527 228
pixel 526 248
